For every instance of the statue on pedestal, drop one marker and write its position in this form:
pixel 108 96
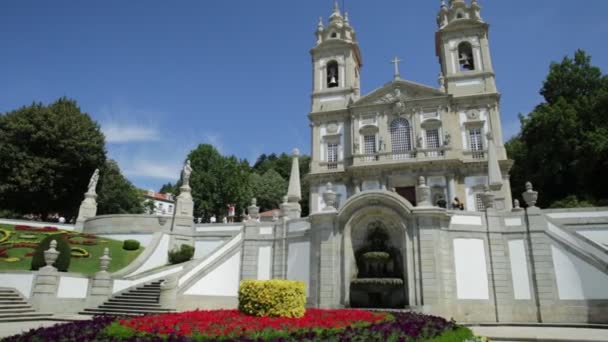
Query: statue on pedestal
pixel 186 172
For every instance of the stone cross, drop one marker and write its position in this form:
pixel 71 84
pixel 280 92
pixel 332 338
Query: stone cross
pixel 396 62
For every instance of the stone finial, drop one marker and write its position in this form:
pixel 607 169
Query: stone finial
pixel 285 199
pixel 516 206
pixel 530 196
pixel 329 197
pixel 494 173
pixel 421 180
pixel 104 260
pixel 51 254
pixel 253 210
pixel 320 26
pixel 294 192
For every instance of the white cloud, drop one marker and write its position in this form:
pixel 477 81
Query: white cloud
pixel 116 133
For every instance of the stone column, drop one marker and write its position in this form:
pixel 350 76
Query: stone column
pixel 44 295
pixel 101 285
pixel 325 260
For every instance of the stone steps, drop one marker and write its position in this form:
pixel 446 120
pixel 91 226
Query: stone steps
pixel 15 308
pixel 138 301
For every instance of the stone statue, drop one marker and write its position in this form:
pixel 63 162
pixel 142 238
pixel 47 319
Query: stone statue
pixel 93 182
pixel 421 181
pixel 441 81
pixel 186 172
pixel 447 139
pixel 419 141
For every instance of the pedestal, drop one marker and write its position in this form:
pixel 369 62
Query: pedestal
pixel 44 295
pixel 88 209
pixel 101 289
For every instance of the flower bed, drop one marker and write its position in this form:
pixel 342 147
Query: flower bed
pixel 316 325
pixel 36 229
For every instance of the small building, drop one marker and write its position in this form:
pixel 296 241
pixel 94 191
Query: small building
pixel 164 204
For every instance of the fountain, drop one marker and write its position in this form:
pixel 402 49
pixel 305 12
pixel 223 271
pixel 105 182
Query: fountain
pixel 379 282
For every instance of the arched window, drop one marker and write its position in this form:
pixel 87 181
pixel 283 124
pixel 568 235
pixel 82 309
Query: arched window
pixel 332 74
pixel 401 137
pixel 465 56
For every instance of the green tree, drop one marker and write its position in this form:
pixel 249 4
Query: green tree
pixel 282 165
pixel 168 188
pixel 563 144
pixel 268 189
pixel 116 194
pixel 48 154
pixel 216 181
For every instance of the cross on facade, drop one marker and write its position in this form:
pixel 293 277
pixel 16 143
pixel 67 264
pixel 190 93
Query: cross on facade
pixel 396 62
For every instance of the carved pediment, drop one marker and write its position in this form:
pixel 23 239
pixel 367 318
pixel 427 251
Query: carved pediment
pixel 399 91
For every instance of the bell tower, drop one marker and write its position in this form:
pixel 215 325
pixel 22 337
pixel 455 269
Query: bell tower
pixel 463 49
pixel 336 63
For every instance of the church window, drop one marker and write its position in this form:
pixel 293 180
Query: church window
pixel 332 74
pixel 479 202
pixel 432 142
pixel 401 138
pixel 465 56
pixel 332 155
pixel 476 142
pixel 369 147
pixel 334 35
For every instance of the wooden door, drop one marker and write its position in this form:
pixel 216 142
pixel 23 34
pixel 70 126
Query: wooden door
pixel 408 193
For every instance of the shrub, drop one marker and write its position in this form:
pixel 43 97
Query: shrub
pixel 275 298
pixel 130 245
pixel 63 260
pixel 184 253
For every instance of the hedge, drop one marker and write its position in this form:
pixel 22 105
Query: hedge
pixel 65 253
pixel 130 245
pixel 275 298
pixel 185 253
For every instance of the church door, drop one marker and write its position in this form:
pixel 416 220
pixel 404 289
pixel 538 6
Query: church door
pixel 409 193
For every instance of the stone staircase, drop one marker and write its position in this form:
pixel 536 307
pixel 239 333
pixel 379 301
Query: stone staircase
pixel 15 308
pixel 142 300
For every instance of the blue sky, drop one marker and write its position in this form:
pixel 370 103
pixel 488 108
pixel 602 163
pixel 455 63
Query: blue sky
pixel 163 76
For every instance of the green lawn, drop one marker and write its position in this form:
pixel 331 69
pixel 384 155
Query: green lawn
pixel 88 265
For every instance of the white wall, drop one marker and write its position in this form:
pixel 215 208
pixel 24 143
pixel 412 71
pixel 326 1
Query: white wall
pixel 72 287
pixel 23 282
pixel 598 236
pixel 576 279
pixel 298 262
pixel 264 262
pixel 471 272
pixel 158 258
pixel 144 239
pixel 519 270
pixel 222 281
pixel 202 248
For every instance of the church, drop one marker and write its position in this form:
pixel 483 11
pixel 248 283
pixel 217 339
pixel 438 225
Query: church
pixel 388 138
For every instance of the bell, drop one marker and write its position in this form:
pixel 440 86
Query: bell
pixel 333 81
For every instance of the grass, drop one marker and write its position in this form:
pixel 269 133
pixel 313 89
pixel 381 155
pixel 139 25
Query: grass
pixel 89 265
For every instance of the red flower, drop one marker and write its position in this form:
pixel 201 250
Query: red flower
pixel 235 323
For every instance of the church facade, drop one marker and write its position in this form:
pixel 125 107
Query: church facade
pixel 388 138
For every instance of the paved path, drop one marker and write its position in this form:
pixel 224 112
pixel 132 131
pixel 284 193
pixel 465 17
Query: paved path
pixel 519 333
